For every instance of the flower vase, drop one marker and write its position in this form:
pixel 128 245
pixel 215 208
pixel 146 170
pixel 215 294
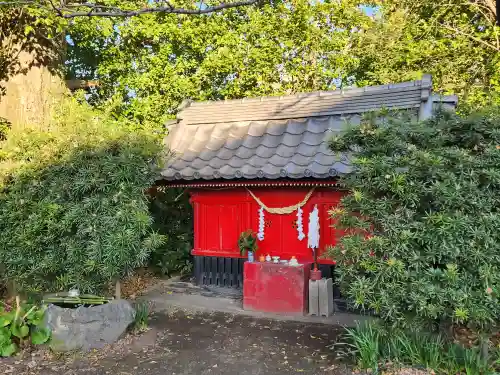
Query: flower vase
pixel 250 256
pixel 315 274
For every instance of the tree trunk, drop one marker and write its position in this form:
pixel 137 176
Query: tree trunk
pixel 30 71
pixel 491 4
pixel 29 97
pixel 118 290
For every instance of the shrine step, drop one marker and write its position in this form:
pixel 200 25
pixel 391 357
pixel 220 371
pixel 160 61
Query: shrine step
pixel 206 291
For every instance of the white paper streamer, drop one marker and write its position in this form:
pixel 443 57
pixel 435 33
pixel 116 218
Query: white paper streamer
pixel 300 229
pixel 313 233
pixel 260 234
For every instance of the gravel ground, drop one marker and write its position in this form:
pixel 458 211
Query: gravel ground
pixel 186 343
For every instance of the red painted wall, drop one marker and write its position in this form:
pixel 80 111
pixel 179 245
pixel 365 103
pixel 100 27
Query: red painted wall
pixel 221 215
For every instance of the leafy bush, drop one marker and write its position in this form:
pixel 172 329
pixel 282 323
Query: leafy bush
pixel 373 346
pixel 172 218
pixel 169 260
pixel 19 326
pixel 428 195
pixel 495 355
pixel 73 212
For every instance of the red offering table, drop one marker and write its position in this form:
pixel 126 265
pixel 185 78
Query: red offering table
pixel 276 288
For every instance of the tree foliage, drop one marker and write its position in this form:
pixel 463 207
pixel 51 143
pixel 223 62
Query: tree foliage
pixel 146 66
pixel 422 239
pixel 123 9
pixel 456 41
pixel 155 62
pixel 73 212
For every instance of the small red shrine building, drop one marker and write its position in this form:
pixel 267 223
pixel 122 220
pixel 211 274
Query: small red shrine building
pixel 242 159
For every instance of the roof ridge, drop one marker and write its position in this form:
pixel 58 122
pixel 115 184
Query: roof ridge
pixel 425 82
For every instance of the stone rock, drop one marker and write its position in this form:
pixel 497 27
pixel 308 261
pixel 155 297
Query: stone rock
pixel 86 328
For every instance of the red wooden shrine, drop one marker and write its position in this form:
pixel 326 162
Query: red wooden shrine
pixel 221 215
pixel 277 149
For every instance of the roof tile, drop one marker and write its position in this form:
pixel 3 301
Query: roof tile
pixel 275 137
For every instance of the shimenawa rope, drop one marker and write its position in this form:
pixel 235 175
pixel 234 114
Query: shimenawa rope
pixel 282 210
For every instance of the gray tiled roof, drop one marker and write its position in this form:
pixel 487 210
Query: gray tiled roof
pixel 275 137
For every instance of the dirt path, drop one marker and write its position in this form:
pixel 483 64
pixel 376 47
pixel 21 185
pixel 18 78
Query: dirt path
pixel 201 344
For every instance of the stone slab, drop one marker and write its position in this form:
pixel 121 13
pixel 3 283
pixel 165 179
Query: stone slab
pixel 86 328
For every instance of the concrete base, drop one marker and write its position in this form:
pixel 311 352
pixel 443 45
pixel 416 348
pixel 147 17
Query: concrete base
pixel 314 298
pixel 321 297
pixel 326 297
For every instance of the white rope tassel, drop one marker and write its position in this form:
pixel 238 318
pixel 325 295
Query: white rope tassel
pixel 313 233
pixel 260 234
pixel 300 229
pixel 282 211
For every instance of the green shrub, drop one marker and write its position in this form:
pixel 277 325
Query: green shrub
pixel 73 212
pixel 20 326
pixel 170 260
pixel 173 218
pixel 428 195
pixel 495 355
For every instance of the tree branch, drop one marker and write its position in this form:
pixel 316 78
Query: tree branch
pixel 483 42
pixel 59 13
pixel 74 10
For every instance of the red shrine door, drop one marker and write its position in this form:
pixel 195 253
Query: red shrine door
pixel 220 216
pixel 280 230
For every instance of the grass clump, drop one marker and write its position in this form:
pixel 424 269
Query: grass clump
pixel 375 347
pixel 141 318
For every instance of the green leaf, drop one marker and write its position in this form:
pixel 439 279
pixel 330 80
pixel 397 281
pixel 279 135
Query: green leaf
pixel 4 334
pixel 8 350
pixel 35 318
pixel 5 320
pixel 28 29
pixel 40 336
pixel 20 330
